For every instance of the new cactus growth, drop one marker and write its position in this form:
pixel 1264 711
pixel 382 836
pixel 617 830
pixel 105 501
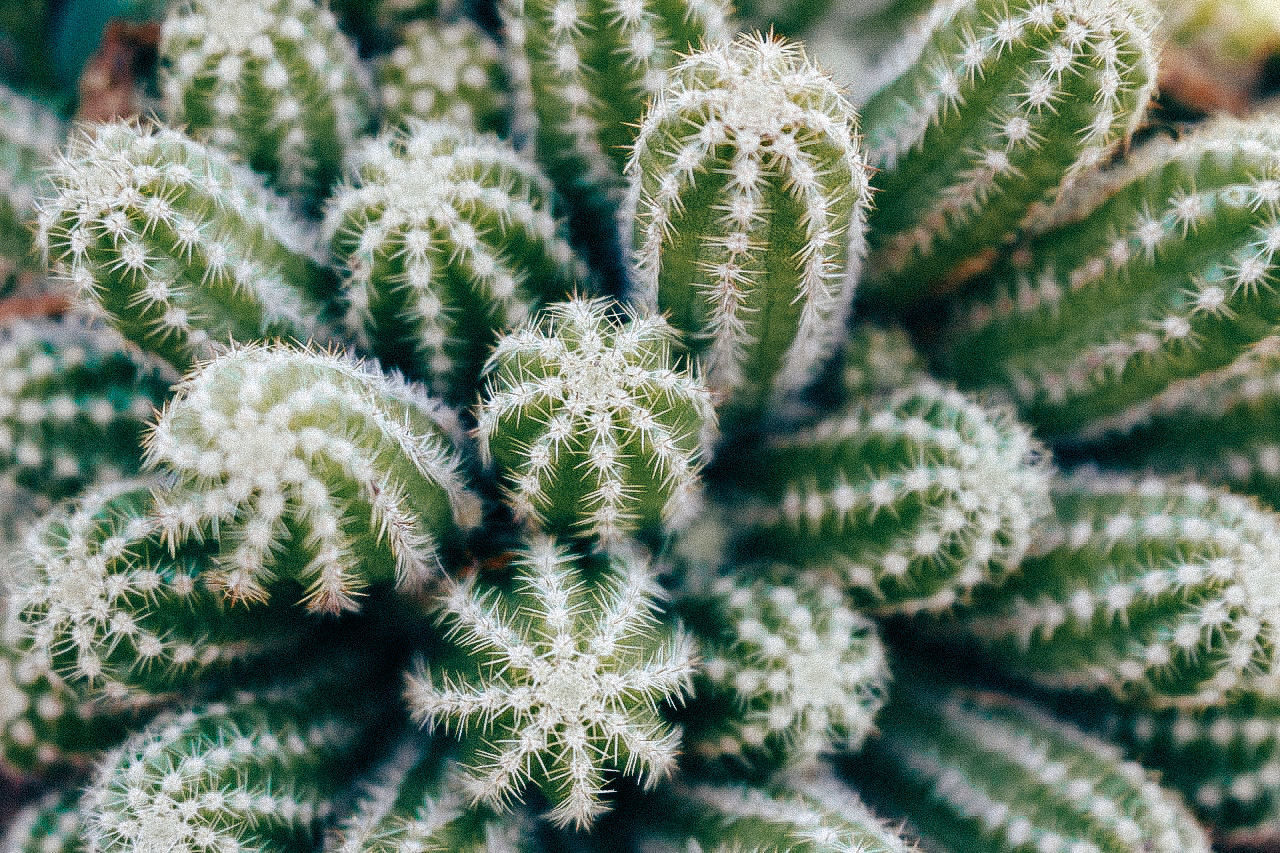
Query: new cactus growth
pixel 558 681
pixel 1163 594
pixel 447 72
pixel 309 467
pixel 788 673
pixel 1007 102
pixel 50 825
pixel 179 248
pixel 911 503
pixel 30 137
pixel 1159 270
pixel 989 774
pixel 449 239
pixel 749 196
pixel 592 429
pixel 273 81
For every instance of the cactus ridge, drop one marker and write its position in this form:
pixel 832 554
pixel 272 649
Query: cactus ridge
pixel 30 137
pixel 449 238
pixel 910 503
pixel 312 467
pixel 450 72
pixel 1007 102
pixel 592 429
pixel 52 824
pixel 562 681
pixel 275 82
pixel 753 132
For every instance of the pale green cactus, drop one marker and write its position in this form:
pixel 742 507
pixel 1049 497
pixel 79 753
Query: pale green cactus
pixel 180 249
pixel 273 81
pixel 415 801
pixel 445 71
pixel 593 430
pixel 51 825
pixel 30 136
pixel 309 467
pixel 558 680
pixel 1157 270
pixel 749 196
pixel 1163 594
pixel 449 238
pixel 985 773
pixel 1005 104
pixel 788 672
pixel 911 502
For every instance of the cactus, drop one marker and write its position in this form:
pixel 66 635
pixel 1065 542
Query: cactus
pixel 449 239
pixel 50 825
pixel 751 131
pixel 311 467
pixel 561 680
pixel 73 401
pixel 788 672
pixel 910 503
pixel 414 801
pixel 878 360
pixel 592 429
pixel 1007 102
pixel 1162 594
pixel 181 250
pixel 1159 270
pixel 30 136
pixel 986 773
pixel 273 81
pixel 377 24
pixel 445 72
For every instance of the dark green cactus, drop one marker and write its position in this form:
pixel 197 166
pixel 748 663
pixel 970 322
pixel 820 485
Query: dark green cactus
pixel 51 825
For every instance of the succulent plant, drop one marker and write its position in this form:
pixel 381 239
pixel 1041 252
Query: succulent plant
pixel 50 825
pixel 1005 104
pixel 878 360
pixel 273 81
pixel 749 196
pixel 593 429
pixel 30 136
pixel 449 238
pixel 445 71
pixel 911 502
pixel 557 680
pixel 310 467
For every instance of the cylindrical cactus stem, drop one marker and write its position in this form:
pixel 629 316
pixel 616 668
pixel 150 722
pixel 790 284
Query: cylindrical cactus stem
pixel 878 360
pixel 560 682
pixel 1158 269
pixel 101 598
pixel 275 82
pixel 30 136
pixel 788 673
pixel 179 248
pixel 416 801
pixel 53 824
pixel 985 773
pixel 593 431
pixel 749 195
pixel 377 24
pixel 1007 102
pixel 449 238
pixel 313 468
pixel 910 503
pixel 73 402
pixel 1163 594
pixel 450 71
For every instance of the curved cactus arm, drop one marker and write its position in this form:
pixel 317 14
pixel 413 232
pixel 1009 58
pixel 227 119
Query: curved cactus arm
pixel 749 196
pixel 180 249
pixel 30 136
pixel 561 680
pixel 312 468
pixel 990 774
pixel 449 238
pixel 911 503
pixel 593 431
pixel 1005 104
pixel 51 825
pixel 447 72
pixel 274 82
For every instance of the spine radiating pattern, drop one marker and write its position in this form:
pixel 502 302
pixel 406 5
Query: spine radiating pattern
pixel 447 72
pixel 30 136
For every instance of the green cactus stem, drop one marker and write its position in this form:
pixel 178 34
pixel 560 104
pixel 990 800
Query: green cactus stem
pixel 378 24
pixel 1159 269
pixel 985 773
pixel 878 360
pixel 30 136
pixel 1006 103
pixel 180 249
pixel 560 682
pixel 273 81
pixel 311 467
pixel 448 238
pixel 749 196
pixel 911 502
pixel 1160 593
pixel 451 72
pixel 50 825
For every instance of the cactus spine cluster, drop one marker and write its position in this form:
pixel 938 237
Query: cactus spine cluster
pixel 30 137
pixel 447 72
